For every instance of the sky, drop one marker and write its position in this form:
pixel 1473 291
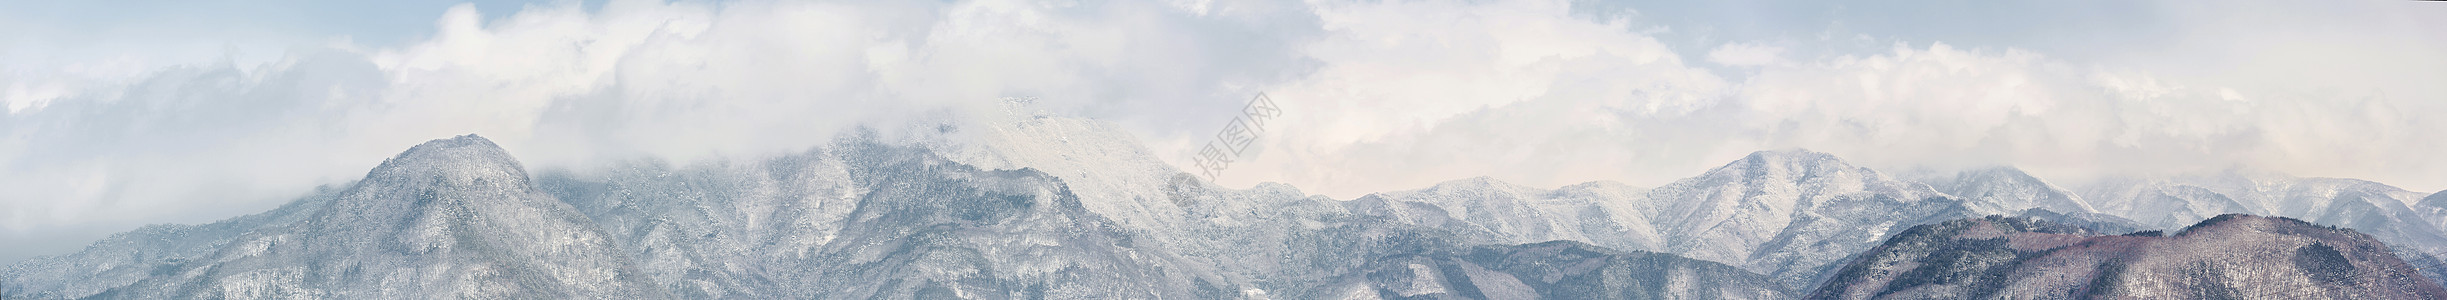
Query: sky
pixel 126 113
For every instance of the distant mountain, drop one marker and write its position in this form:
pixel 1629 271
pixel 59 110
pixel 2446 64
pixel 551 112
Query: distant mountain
pixel 1792 214
pixel 2161 204
pixel 1549 270
pixel 2179 200
pixel 454 217
pixel 777 227
pixel 929 228
pixel 2009 189
pixel 1073 208
pixel 1282 242
pixel 1601 213
pixel 2433 205
pixel 2393 215
pixel 2227 257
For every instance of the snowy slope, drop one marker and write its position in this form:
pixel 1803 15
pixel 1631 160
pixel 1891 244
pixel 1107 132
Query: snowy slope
pixel 931 228
pixel 718 229
pixel 125 258
pixel 1111 170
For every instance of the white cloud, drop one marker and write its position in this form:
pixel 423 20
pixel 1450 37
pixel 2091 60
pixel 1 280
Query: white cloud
pixel 1746 54
pixel 1411 93
pixel 1907 107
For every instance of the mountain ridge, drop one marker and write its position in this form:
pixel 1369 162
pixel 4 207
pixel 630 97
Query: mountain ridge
pixel 944 212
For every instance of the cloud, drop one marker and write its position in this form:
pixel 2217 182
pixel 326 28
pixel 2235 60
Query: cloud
pixel 1912 104
pixel 1378 95
pixel 1746 54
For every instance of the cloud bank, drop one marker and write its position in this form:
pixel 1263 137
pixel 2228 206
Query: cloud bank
pixel 1377 95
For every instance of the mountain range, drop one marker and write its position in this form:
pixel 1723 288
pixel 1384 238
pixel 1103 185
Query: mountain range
pixel 1051 207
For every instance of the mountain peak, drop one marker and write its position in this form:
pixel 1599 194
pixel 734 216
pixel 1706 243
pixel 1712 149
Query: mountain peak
pixel 1789 155
pixel 1793 157
pixel 1481 182
pixel 2006 189
pixel 461 159
pixel 465 140
pixel 1783 212
pixel 1787 165
pixel 2003 172
pixel 458 147
pixel 453 216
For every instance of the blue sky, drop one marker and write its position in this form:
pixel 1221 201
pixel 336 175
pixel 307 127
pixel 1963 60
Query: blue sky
pixel 123 113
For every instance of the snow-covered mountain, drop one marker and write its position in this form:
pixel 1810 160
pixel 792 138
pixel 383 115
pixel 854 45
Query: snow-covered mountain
pixel 2394 216
pixel 929 228
pixel 1111 170
pixel 2009 189
pixel 1791 214
pixel 816 223
pixel 1280 241
pixel 860 218
pixel 719 229
pixel 453 217
pixel 2160 204
pixel 125 258
pixel 2433 205
pixel 2178 200
pixel 1039 206
pixel 2226 257
pixel 1603 213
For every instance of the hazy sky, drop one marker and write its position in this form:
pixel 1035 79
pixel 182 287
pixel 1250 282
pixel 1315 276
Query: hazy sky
pixel 123 113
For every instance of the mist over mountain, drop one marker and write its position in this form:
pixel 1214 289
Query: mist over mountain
pixel 1067 208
